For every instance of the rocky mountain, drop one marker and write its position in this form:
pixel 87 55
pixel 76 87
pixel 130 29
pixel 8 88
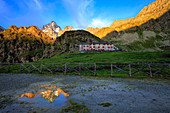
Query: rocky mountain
pixel 70 40
pixel 67 28
pixel 154 35
pixel 92 30
pixel 53 30
pixel 1 29
pixel 153 11
pixel 160 24
pixel 31 32
pixel 24 44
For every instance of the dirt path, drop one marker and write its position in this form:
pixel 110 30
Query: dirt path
pixel 119 95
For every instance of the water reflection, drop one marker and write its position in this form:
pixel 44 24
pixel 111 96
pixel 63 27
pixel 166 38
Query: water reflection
pixel 56 97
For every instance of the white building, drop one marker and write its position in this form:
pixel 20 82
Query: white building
pixel 89 47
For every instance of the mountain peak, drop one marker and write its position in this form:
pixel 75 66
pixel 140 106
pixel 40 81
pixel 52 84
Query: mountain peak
pixel 67 28
pixel 51 25
pixel 92 30
pixel 51 29
pixel 13 27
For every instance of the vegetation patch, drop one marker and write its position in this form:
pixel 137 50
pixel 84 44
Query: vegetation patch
pixel 154 99
pixel 55 82
pixel 105 104
pixel 77 108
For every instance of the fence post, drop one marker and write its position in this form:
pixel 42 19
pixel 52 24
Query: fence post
pixel 95 69
pixel 20 67
pixel 130 73
pixel 111 69
pixel 52 68
pixel 150 70
pixel 79 68
pixel 30 68
pixel 41 67
pixel 8 67
pixel 65 69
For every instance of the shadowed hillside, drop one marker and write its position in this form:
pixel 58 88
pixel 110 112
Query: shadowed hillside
pixel 70 40
pixel 153 35
pixel 21 45
pixel 24 44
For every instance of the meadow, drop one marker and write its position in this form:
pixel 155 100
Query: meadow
pixel 110 57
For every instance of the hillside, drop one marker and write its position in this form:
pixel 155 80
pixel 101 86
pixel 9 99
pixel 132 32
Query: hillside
pixel 24 44
pixel 20 45
pixel 70 40
pixel 153 35
pixel 154 10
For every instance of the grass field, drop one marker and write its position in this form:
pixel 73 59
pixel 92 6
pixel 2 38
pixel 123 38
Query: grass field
pixel 110 57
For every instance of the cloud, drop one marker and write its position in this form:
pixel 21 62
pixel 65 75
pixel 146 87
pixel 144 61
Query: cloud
pixel 38 4
pixel 99 22
pixel 30 4
pixel 80 10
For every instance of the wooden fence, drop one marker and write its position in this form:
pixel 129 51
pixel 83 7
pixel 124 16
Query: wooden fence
pixel 130 69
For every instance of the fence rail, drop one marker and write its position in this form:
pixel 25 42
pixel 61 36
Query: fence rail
pixel 129 69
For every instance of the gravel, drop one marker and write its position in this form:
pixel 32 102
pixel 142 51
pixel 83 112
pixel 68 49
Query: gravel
pixel 126 95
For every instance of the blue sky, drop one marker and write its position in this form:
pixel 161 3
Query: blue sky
pixel 77 13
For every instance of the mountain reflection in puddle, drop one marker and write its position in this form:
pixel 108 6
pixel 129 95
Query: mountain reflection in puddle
pixel 46 98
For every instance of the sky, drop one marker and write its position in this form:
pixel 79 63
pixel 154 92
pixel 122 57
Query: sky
pixel 77 13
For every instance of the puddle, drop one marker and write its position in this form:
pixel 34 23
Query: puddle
pixel 50 97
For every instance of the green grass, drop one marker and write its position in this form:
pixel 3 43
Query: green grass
pixel 76 108
pixel 105 104
pixel 109 57
pixel 105 57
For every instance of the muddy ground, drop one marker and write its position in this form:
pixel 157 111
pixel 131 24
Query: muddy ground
pixel 124 95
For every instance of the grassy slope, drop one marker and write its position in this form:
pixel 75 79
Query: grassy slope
pixel 142 44
pixel 110 57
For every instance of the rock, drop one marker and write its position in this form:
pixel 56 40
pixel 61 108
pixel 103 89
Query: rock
pixel 92 30
pixel 160 24
pixel 52 29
